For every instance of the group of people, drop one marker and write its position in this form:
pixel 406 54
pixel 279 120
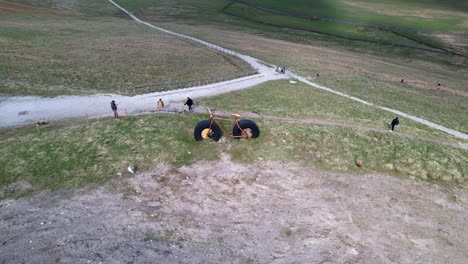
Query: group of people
pixel 160 105
pixel 281 69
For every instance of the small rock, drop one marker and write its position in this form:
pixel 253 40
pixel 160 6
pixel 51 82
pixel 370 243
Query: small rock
pixel 154 204
pixel 359 162
pixel 119 174
pixel 353 251
pixel 131 169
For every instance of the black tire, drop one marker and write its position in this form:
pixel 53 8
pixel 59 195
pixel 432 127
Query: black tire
pixel 202 131
pixel 248 126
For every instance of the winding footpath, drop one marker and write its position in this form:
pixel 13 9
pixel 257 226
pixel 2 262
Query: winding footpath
pixel 23 110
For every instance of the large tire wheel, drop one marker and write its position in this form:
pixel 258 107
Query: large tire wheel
pixel 203 131
pixel 246 128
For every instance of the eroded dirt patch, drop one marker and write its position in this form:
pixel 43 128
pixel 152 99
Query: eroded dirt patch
pixel 218 212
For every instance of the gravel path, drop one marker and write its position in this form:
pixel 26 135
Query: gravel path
pixel 23 110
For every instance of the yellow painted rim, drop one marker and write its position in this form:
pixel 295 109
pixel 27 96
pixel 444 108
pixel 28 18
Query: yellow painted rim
pixel 206 133
pixel 248 132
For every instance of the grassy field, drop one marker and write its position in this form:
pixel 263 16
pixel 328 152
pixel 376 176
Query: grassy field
pixel 449 17
pixel 282 98
pixel 70 155
pixel 423 14
pixel 369 77
pixel 62 51
pixel 345 30
pixel 449 110
pixel 86 47
pixel 370 72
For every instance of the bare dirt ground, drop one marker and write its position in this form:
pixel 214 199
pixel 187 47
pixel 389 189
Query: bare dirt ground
pixel 225 212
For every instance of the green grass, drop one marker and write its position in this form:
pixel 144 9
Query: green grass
pixel 69 156
pixel 446 109
pixel 370 34
pixel 66 156
pixel 366 12
pixel 54 54
pixel 90 8
pixel 338 148
pixel 281 98
pixel 371 78
pixel 439 17
pixel 345 30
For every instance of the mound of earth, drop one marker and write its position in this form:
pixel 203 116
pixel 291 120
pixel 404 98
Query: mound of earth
pixel 223 212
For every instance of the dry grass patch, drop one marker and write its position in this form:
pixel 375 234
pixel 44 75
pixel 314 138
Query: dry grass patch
pixel 44 55
pixel 395 10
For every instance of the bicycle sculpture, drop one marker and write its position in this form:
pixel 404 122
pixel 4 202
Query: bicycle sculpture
pixel 212 129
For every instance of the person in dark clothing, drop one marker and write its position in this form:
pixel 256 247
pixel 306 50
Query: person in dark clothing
pixel 114 108
pixel 395 122
pixel 189 103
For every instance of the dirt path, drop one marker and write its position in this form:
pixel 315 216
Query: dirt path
pixel 224 212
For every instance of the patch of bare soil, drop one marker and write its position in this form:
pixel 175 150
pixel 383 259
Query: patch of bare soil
pixel 225 212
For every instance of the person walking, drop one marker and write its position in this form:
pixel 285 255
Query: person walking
pixel 114 109
pixel 189 103
pixel 394 123
pixel 160 104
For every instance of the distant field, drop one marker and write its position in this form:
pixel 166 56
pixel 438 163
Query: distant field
pixel 73 48
pixel 427 15
pixel 359 23
pixel 422 14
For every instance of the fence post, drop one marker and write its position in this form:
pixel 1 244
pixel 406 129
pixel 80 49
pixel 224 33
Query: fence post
pixel 37 128
pixel 87 120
